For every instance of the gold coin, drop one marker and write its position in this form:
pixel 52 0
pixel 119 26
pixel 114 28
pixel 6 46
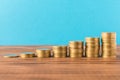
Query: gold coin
pixel 59 51
pixel 92 56
pixel 107 53
pixel 108 40
pixel 89 44
pixel 109 49
pixel 111 35
pixel 77 55
pixel 114 46
pixel 10 56
pixel 92 53
pixel 76 44
pixel 109 56
pixel 41 50
pixel 109 43
pixel 59 55
pixel 112 52
pixel 27 55
pixel 92 39
pixel 76 50
pixel 59 47
pixel 92 47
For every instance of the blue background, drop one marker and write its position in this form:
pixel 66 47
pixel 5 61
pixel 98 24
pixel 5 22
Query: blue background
pixel 29 22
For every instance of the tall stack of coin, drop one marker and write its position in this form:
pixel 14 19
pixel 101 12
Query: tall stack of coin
pixel 43 53
pixel 59 51
pixel 108 44
pixel 76 49
pixel 92 47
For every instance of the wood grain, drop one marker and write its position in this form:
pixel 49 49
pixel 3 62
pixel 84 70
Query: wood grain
pixel 56 68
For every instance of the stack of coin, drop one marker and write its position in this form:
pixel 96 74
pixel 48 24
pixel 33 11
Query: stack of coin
pixel 27 55
pixel 92 47
pixel 59 51
pixel 43 53
pixel 108 44
pixel 76 49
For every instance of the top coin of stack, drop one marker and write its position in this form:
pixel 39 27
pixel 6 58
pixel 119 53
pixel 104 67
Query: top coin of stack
pixel 43 53
pixel 108 44
pixel 76 48
pixel 59 51
pixel 92 47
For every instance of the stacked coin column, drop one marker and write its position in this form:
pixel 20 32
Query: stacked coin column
pixel 27 55
pixel 76 49
pixel 59 51
pixel 108 44
pixel 43 53
pixel 92 47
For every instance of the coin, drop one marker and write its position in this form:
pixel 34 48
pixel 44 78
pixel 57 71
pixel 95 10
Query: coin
pixel 60 51
pixel 60 55
pixel 92 56
pixel 92 39
pixel 61 47
pixel 109 56
pixel 110 35
pixel 76 44
pixel 10 56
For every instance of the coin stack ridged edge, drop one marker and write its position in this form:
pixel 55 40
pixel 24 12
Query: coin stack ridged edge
pixel 92 47
pixel 43 53
pixel 108 44
pixel 76 49
pixel 59 51
pixel 27 55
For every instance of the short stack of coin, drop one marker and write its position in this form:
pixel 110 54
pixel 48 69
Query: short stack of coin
pixel 27 55
pixel 108 44
pixel 92 47
pixel 11 56
pixel 43 53
pixel 76 49
pixel 59 51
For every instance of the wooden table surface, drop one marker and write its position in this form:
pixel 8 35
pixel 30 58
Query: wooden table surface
pixel 56 68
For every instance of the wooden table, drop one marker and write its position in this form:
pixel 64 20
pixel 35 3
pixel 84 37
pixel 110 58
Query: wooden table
pixel 56 68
